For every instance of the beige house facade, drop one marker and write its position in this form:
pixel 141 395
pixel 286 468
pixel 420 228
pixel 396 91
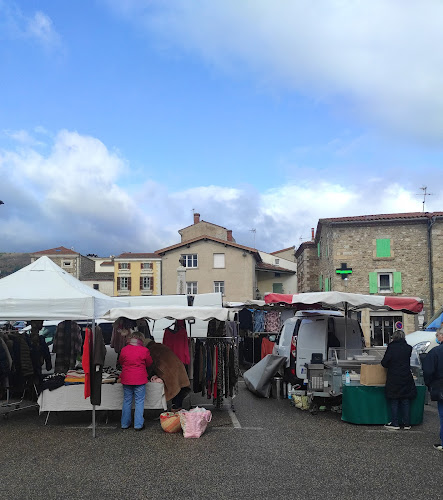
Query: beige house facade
pixel 215 262
pixel 387 254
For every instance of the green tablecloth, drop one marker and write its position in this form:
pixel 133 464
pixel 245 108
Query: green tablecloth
pixel 368 405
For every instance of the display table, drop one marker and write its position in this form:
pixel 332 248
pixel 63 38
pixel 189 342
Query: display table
pixel 71 398
pixel 363 404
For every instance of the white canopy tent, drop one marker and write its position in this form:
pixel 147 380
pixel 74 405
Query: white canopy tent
pixel 43 290
pixel 170 312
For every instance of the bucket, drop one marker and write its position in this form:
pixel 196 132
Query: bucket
pixel 277 387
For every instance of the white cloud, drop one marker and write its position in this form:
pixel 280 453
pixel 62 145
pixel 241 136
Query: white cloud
pixel 15 24
pixel 381 59
pixel 72 195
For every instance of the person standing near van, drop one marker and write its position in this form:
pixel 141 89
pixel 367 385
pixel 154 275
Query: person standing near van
pixel 433 375
pixel 135 360
pixel 400 386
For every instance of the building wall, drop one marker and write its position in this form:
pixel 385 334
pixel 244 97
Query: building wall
pixel 288 254
pixel 203 228
pixel 266 280
pixel 437 263
pixel 106 287
pixel 135 272
pixel 307 268
pixel 238 274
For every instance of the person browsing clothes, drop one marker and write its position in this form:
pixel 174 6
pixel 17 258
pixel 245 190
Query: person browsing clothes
pixel 433 375
pixel 135 361
pixel 400 386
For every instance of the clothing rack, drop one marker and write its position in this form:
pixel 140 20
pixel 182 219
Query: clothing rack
pixel 235 339
pixel 16 405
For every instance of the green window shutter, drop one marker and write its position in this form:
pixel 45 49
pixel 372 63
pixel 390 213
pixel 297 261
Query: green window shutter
pixel 397 282
pixel 327 287
pixel 277 287
pixel 383 248
pixel 373 283
pixel 318 249
pixel 320 282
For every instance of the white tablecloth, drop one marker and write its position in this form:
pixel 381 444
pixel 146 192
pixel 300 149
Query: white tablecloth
pixel 71 398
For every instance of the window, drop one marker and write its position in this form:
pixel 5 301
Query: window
pixel 146 265
pixel 67 263
pixel 219 260
pixel 383 247
pixel 277 262
pixel 146 283
pixel 125 283
pixel 190 260
pixel 385 282
pixel 191 287
pixel 95 286
pixel 318 250
pixel 277 287
pixel 219 287
pixel 320 282
pixel 124 265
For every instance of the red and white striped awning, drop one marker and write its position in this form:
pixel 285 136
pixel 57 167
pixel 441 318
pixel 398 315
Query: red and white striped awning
pixel 340 300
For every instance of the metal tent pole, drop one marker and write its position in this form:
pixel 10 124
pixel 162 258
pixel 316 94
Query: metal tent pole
pixel 90 368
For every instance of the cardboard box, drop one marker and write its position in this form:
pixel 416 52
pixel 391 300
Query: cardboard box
pixel 372 375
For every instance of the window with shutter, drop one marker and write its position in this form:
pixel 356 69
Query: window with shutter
pixel 327 286
pixel 318 249
pixel 320 282
pixel 129 284
pixel 277 287
pixel 219 260
pixel 397 282
pixel 383 247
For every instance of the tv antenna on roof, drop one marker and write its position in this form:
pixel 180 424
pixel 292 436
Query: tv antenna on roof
pixel 253 231
pixel 424 188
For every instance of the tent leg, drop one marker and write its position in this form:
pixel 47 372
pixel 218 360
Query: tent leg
pixel 47 417
pixel 93 421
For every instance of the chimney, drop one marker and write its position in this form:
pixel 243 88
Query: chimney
pixel 229 234
pixel 312 234
pixel 196 218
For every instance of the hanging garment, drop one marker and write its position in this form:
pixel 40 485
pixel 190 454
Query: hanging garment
pixel 97 361
pixel 177 340
pixel 272 321
pixel 120 330
pixel 67 345
pixel 259 321
pixel 86 361
pixel 266 347
pixel 245 319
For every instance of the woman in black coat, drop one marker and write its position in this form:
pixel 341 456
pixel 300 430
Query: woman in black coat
pixel 400 387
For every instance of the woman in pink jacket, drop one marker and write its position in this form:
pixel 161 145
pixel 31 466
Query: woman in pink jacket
pixel 135 360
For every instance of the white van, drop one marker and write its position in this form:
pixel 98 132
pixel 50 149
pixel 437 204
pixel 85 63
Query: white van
pixel 314 332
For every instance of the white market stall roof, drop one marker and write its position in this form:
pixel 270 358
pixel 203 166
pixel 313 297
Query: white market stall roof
pixel 341 300
pixel 169 312
pixel 43 290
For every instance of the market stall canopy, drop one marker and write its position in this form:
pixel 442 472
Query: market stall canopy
pixel 43 290
pixel 340 300
pixel 169 312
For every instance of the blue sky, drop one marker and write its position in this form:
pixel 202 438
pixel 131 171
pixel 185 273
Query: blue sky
pixel 119 118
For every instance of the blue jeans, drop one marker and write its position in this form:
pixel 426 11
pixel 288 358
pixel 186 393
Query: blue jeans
pixel 440 413
pixel 404 404
pixel 130 391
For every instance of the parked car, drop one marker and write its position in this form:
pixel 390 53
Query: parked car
pixel 19 325
pixel 422 342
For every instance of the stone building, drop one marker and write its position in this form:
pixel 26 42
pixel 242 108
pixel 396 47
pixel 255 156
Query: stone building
pixel 396 254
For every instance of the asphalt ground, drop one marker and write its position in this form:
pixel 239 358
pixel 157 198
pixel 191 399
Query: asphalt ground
pixel 268 449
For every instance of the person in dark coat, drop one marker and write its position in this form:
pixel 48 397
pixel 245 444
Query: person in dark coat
pixel 433 375
pixel 400 387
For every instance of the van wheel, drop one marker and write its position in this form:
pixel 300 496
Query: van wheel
pixel 313 409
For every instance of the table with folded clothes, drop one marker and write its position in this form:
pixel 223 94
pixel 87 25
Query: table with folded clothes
pixel 66 392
